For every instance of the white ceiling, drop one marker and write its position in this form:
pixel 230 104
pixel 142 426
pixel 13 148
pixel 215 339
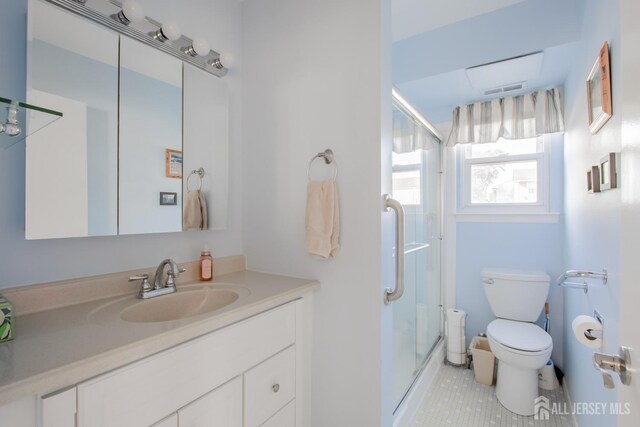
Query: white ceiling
pixel 412 17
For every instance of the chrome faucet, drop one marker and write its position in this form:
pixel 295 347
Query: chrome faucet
pixel 159 288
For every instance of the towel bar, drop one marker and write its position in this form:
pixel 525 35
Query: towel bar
pixel 329 159
pixel 200 173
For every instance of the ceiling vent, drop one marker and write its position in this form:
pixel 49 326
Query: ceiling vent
pixel 498 77
pixel 505 89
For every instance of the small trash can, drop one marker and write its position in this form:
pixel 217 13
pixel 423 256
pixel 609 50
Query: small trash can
pixel 484 361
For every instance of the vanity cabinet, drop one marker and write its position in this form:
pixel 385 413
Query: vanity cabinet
pixel 248 374
pixel 250 364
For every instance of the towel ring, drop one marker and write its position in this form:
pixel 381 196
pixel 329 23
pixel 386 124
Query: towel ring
pixel 327 156
pixel 200 173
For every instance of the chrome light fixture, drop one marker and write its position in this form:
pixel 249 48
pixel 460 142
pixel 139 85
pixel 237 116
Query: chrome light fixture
pixel 221 62
pixel 131 12
pixel 199 46
pixel 11 128
pixel 168 31
pixel 128 18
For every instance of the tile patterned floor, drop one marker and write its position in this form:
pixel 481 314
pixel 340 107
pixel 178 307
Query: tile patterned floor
pixel 455 399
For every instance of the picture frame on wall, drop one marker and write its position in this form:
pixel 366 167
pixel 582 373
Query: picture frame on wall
pixel 168 199
pixel 593 179
pixel 599 91
pixel 173 163
pixel 608 168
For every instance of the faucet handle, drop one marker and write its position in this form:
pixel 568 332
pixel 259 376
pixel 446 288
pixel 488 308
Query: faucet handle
pixel 145 285
pixel 171 275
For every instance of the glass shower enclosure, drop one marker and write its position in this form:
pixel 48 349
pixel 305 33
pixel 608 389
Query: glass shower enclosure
pixel 416 185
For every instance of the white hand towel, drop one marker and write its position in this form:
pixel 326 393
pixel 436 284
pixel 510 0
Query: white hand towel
pixel 194 216
pixel 322 222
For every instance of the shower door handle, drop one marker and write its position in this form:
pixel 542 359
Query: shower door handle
pixel 391 295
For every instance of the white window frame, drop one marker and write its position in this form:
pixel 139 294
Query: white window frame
pixel 464 164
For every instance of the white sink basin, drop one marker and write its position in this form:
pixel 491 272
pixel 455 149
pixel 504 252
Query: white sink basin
pixel 187 302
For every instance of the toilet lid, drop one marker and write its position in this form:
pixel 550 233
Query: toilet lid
pixel 519 335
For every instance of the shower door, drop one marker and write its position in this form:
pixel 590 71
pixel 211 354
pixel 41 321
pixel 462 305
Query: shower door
pixel 416 184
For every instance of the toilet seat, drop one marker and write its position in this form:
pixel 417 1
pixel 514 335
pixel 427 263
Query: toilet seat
pixel 521 337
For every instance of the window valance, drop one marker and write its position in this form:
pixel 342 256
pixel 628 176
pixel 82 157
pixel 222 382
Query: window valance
pixel 516 117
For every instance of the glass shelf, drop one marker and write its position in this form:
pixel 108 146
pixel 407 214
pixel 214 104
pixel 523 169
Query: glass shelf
pixel 19 120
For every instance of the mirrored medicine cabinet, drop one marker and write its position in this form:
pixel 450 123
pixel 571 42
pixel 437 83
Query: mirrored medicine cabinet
pixel 136 121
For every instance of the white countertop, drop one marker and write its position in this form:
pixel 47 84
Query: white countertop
pixel 59 348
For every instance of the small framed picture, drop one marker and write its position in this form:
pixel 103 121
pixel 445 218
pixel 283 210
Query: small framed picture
pixel 593 179
pixel 609 172
pixel 599 91
pixel 168 199
pixel 173 160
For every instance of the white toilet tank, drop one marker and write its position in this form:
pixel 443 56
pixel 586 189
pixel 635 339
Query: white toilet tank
pixel 515 294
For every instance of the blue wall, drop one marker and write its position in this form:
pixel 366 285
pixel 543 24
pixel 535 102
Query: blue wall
pixel 525 246
pixel 592 231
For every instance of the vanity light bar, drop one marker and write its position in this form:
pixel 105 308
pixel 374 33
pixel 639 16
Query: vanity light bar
pixel 106 12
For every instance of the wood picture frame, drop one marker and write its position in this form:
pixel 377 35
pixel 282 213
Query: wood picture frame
pixel 608 169
pixel 593 179
pixel 599 91
pixel 173 163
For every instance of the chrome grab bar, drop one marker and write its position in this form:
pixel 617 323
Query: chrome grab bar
pixel 391 295
pixel 584 275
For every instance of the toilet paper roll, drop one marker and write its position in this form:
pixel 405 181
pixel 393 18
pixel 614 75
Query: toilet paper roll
pixel 455 317
pixel 456 342
pixel 583 326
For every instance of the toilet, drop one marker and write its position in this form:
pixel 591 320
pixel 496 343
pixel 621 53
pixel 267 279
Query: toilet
pixel 521 347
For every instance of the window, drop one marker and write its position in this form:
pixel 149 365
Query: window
pixel 407 178
pixel 508 176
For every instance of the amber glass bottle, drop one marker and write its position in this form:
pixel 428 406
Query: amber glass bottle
pixel 206 265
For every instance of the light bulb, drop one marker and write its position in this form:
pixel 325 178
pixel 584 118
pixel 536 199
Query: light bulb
pixel 201 46
pixel 169 31
pixel 223 61
pixel 131 12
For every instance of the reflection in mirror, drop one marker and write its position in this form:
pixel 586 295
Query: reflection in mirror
pixel 150 139
pixel 101 169
pixel 206 140
pixel 71 165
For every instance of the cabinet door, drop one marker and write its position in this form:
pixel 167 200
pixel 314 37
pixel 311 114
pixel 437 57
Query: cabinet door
pixel 59 409
pixel 170 421
pixel 220 408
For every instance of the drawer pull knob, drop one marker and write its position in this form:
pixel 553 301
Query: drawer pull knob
pixel 275 388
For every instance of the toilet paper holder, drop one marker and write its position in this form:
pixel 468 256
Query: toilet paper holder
pixel 594 334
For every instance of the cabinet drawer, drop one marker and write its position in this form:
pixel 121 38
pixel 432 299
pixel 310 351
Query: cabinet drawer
pixel 269 386
pixel 146 391
pixel 286 417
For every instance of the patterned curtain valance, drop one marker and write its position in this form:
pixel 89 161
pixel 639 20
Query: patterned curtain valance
pixel 517 117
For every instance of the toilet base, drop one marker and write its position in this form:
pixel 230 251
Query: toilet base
pixel 517 388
